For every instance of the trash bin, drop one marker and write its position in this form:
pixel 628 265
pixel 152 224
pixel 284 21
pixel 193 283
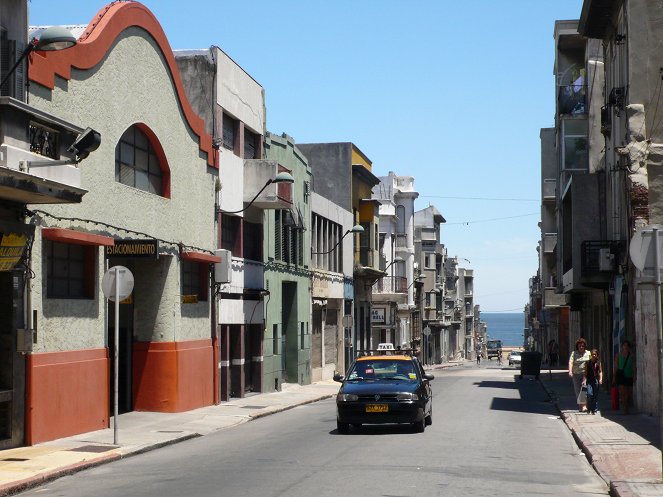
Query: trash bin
pixel 530 363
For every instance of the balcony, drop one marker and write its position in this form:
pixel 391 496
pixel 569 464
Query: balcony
pixel 390 285
pixel 549 190
pixel 29 135
pixel 553 299
pixel 401 240
pixel 572 100
pixel 599 262
pixel 257 172
pixel 549 243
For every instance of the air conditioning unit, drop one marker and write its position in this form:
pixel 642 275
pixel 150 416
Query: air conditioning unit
pixel 606 260
pixel 223 271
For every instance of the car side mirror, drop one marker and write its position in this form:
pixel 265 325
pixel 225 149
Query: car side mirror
pixel 339 377
pixel 429 377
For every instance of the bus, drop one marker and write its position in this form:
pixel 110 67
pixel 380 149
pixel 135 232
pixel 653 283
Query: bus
pixel 493 347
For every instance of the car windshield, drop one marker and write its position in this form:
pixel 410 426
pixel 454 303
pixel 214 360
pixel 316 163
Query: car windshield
pixel 385 369
pixel 515 352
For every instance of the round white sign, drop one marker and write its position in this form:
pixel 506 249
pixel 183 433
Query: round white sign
pixel 641 248
pixel 125 283
pixel 427 330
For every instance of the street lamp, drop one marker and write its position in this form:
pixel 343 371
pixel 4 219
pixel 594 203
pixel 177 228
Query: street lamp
pixel 282 177
pixel 417 279
pixel 394 261
pixel 357 228
pixel 52 39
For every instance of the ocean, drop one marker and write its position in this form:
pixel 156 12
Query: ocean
pixel 505 326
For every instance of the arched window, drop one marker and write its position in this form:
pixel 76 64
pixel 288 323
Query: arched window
pixel 140 161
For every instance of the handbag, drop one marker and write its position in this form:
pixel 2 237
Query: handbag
pixel 582 395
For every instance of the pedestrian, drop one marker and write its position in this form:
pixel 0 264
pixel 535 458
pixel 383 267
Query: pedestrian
pixel 624 375
pixel 577 361
pixel 593 379
pixel 478 358
pixel 552 353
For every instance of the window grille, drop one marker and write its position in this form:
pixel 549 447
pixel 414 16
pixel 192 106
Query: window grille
pixel 136 162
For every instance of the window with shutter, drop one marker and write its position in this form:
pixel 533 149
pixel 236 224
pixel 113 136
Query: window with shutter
pixel 278 237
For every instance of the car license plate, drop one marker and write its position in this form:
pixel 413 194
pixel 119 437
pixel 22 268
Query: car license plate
pixel 377 408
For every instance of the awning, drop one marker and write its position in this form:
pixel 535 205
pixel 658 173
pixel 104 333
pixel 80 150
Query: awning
pixel 76 237
pixel 202 257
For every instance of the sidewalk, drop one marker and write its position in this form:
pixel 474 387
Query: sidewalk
pixel 139 432
pixel 623 449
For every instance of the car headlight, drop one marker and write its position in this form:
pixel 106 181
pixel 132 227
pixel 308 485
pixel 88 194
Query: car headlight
pixel 346 397
pixel 407 396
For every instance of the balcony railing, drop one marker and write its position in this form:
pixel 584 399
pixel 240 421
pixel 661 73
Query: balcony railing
pixel 599 256
pixel 572 100
pixel 390 284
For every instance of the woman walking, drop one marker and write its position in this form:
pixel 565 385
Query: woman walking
pixel 624 375
pixel 593 379
pixel 577 361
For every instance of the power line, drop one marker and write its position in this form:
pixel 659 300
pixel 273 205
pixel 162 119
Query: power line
pixel 484 198
pixel 493 219
pixel 503 310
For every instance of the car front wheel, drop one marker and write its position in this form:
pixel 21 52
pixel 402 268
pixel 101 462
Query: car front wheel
pixel 342 428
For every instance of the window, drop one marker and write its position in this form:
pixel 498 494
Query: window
pixel 194 279
pixel 230 233
pixel 253 241
pixel 137 163
pixel 400 219
pixel 230 127
pixel 70 270
pixel 575 144
pixel 251 145
pixel 10 52
pixel 289 244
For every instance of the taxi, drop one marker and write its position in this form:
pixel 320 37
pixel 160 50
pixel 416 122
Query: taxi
pixel 383 388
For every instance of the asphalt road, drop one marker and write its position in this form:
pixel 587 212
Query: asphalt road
pixel 492 435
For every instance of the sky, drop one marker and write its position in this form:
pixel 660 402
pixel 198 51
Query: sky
pixel 451 93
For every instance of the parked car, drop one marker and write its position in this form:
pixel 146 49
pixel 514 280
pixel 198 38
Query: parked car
pixel 382 389
pixel 514 358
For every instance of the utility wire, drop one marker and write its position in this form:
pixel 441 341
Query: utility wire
pixel 484 198
pixel 493 219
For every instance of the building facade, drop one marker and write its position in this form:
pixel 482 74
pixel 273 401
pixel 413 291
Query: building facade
pixel 138 213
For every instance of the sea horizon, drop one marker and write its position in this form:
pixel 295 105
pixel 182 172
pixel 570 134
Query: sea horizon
pixel 506 326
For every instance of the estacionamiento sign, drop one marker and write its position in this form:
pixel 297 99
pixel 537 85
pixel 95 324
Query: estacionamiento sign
pixel 14 239
pixel 144 249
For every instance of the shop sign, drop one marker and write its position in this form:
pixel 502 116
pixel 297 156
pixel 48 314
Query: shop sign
pixel 189 299
pixel 134 249
pixel 377 315
pixel 15 239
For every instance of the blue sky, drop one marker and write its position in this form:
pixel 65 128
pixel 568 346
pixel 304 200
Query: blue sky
pixel 451 93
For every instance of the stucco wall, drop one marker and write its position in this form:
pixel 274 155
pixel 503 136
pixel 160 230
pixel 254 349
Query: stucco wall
pixel 112 96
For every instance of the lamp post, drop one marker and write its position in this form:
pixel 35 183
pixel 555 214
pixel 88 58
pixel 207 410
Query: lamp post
pixel 52 39
pixel 279 178
pixel 394 261
pixel 357 228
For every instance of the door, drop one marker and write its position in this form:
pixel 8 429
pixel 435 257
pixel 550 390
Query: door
pixel 125 377
pixel 290 353
pixel 12 363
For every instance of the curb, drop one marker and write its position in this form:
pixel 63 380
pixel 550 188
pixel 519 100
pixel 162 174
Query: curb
pixel 40 479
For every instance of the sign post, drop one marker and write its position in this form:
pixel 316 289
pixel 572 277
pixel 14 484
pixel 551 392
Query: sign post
pixel 646 254
pixel 117 285
pixel 426 344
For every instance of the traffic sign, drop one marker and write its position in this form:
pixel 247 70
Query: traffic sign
pixel 642 249
pixel 125 283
